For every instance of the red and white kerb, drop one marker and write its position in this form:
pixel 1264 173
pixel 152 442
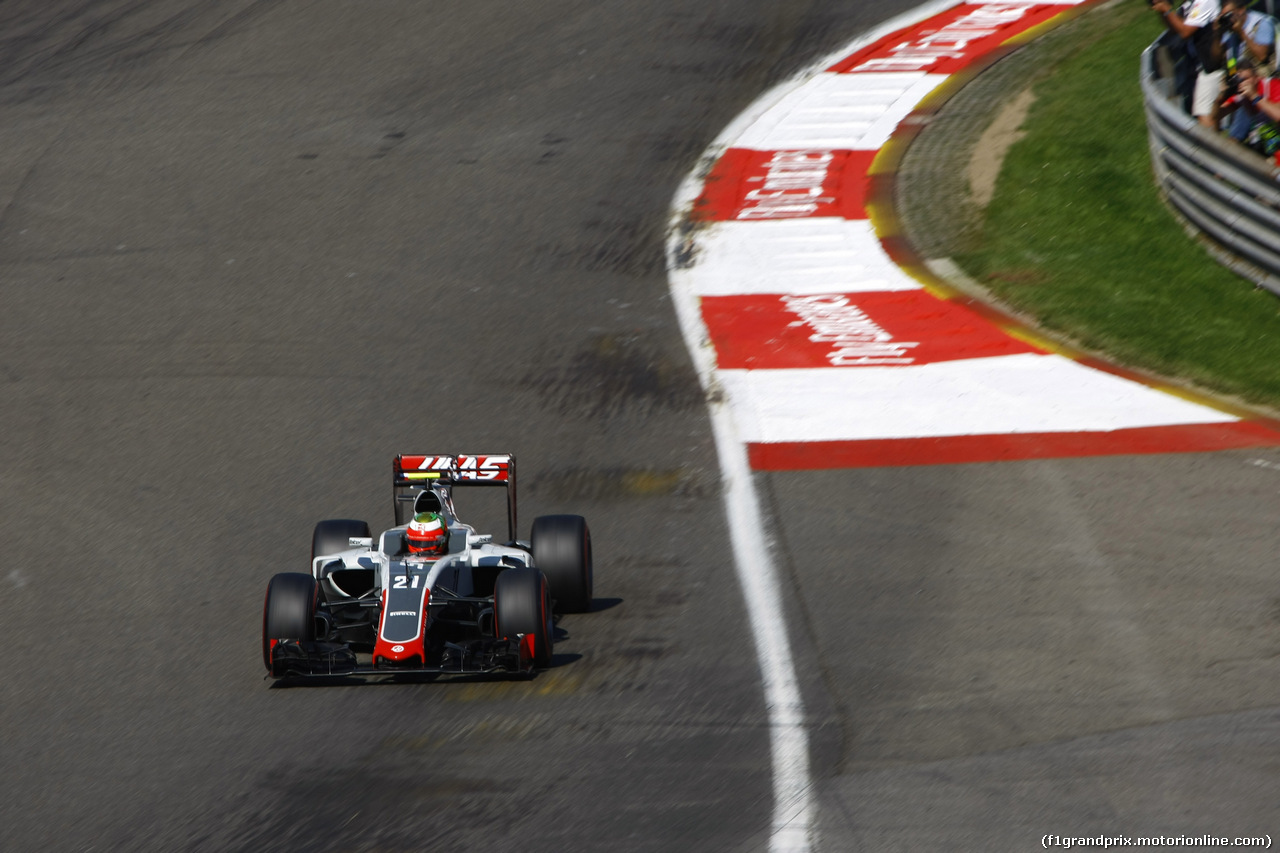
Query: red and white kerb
pixel 826 351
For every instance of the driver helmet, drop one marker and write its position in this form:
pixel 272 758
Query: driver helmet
pixel 427 534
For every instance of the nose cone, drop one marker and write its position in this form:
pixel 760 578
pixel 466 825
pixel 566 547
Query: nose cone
pixel 402 627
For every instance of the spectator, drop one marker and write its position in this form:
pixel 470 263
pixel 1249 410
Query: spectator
pixel 1245 34
pixel 1196 29
pixel 1265 138
pixel 1238 115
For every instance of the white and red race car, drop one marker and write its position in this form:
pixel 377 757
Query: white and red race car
pixel 371 607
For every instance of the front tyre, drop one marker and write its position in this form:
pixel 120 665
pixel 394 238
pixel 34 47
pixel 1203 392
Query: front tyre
pixel 334 535
pixel 522 605
pixel 561 546
pixel 289 612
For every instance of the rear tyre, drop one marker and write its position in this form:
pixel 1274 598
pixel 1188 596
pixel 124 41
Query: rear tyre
pixel 289 612
pixel 561 546
pixel 522 605
pixel 334 535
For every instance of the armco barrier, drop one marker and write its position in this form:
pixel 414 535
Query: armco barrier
pixel 1223 191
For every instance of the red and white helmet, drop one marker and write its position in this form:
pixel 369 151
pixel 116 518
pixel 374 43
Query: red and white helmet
pixel 427 534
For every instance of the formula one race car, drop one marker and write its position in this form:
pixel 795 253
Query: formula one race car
pixel 429 595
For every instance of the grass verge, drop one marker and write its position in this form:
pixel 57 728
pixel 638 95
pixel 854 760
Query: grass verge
pixel 1077 236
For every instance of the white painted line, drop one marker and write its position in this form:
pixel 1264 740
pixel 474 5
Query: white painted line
pixel 797 256
pixel 793 808
pixel 791 827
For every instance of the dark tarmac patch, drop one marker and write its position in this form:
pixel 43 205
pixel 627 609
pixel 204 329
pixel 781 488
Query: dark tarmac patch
pixel 594 484
pixel 48 45
pixel 646 650
pixel 625 246
pixel 362 809
pixel 613 373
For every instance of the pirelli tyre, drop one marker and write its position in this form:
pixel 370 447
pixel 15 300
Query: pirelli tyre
pixel 522 605
pixel 561 546
pixel 289 612
pixel 334 535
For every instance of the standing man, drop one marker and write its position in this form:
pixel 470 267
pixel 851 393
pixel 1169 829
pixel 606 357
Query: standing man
pixel 1245 34
pixel 1197 31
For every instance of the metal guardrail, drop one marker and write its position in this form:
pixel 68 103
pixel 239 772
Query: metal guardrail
pixel 1223 191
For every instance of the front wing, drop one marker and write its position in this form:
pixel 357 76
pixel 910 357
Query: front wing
pixel 302 659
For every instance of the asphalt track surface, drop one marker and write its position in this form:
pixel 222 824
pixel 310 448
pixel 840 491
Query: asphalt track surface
pixel 249 251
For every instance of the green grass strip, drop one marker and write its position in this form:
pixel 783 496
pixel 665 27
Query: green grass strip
pixel 1077 236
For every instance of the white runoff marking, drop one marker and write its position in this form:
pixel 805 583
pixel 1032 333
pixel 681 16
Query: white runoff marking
pixel 791 827
pixel 792 787
pixel 796 256
pixel 840 111
pixel 975 396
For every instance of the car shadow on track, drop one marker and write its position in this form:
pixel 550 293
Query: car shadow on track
pixel 599 604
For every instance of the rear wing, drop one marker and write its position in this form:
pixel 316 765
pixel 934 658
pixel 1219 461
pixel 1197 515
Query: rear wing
pixel 413 474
